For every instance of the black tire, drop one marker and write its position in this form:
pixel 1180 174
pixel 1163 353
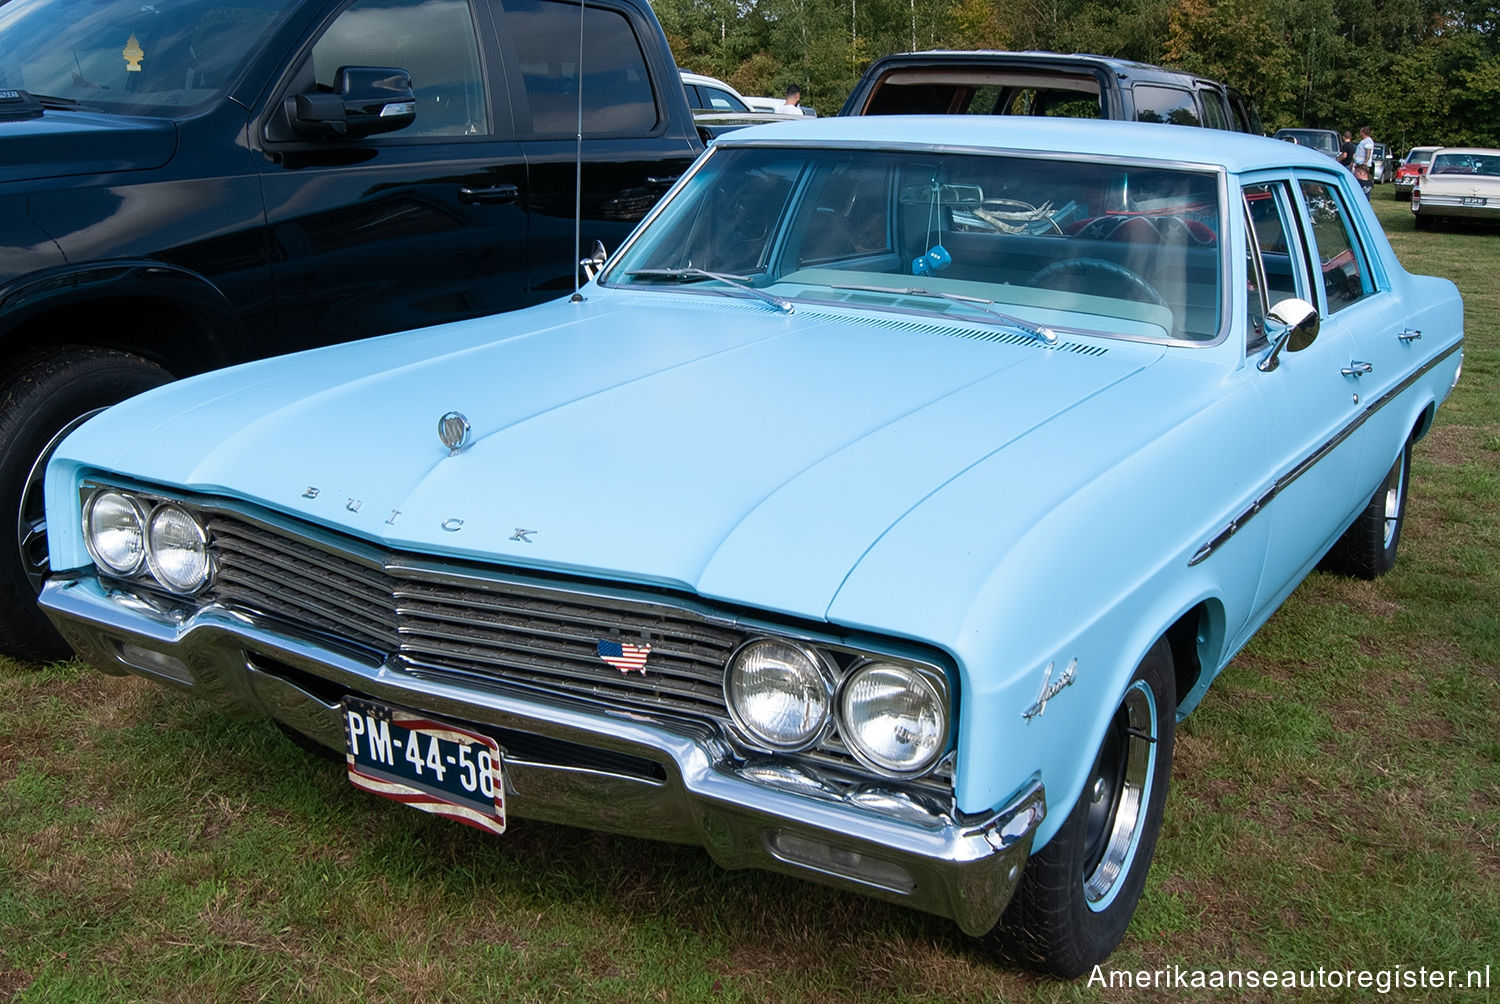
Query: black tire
pixel 45 395
pixel 1078 893
pixel 1367 550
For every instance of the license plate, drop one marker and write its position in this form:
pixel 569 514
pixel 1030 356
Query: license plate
pixel 1474 200
pixel 430 765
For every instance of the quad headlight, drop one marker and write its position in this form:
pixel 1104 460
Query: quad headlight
pixel 114 529
pixel 177 549
pixel 893 718
pixel 788 697
pixel 780 693
pixel 127 534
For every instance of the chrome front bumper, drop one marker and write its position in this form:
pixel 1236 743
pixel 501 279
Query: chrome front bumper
pixel 570 763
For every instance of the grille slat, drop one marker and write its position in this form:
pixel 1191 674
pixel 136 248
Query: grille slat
pixel 480 629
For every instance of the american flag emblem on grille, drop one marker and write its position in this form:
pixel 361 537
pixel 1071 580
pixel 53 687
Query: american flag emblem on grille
pixel 625 657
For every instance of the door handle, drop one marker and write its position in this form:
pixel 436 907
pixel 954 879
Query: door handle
pixel 663 180
pixel 1408 335
pixel 1357 369
pixel 500 193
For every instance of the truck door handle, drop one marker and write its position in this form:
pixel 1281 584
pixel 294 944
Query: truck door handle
pixel 661 179
pixel 500 193
pixel 1408 335
pixel 1357 369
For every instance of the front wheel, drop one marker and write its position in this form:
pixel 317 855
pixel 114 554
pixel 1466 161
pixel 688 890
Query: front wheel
pixel 1367 550
pixel 1079 892
pixel 46 396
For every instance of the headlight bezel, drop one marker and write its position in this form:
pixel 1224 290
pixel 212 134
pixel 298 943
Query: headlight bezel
pixel 845 661
pixel 823 668
pixel 147 505
pixel 154 562
pixel 140 514
pixel 936 691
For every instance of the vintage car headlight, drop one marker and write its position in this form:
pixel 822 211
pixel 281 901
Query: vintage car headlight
pixel 892 718
pixel 114 532
pixel 177 549
pixel 779 693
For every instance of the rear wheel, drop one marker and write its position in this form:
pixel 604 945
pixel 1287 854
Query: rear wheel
pixel 1079 892
pixel 1367 550
pixel 47 395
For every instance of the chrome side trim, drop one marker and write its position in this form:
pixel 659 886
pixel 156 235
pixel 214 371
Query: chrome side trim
pixel 1222 537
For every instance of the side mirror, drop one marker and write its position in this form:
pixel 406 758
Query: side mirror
pixel 595 261
pixel 367 100
pixel 1292 325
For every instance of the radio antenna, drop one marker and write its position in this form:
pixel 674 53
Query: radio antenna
pixel 577 164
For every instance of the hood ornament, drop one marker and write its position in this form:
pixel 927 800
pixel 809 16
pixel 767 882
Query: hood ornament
pixel 454 431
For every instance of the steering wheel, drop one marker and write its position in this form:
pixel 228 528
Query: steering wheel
pixel 1073 275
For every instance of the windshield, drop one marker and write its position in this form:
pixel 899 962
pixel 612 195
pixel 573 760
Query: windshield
pixel 126 56
pixel 1486 164
pixel 1114 249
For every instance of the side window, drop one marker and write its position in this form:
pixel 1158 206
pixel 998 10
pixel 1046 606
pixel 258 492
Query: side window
pixel 1271 252
pixel 722 101
pixel 1215 109
pixel 1165 104
pixel 617 95
pixel 1342 268
pixel 433 40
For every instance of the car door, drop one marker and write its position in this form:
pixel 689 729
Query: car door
pixel 409 228
pixel 627 154
pixel 1310 402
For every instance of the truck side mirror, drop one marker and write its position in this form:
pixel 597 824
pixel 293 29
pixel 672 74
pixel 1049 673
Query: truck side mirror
pixel 366 100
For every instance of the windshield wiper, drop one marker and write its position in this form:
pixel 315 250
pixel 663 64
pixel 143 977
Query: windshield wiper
pixel 740 282
pixel 979 303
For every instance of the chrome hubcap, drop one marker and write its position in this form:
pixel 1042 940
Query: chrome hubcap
pixel 31 515
pixel 1120 789
pixel 1394 482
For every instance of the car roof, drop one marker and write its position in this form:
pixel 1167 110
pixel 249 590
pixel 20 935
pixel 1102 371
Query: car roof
pixel 1467 149
pixel 1122 67
pixel 1082 138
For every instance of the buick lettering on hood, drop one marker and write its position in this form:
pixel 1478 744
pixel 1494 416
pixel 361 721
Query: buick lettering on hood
pixel 872 516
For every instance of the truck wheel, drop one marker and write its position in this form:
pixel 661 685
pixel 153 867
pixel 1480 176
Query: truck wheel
pixel 1078 893
pixel 46 396
pixel 1367 550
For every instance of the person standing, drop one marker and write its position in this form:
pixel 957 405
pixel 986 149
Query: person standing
pixel 793 99
pixel 1346 151
pixel 1364 160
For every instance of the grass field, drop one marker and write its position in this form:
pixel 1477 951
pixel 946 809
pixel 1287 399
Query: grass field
pixel 1336 804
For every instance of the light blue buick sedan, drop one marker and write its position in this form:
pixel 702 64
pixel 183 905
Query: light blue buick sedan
pixel 872 516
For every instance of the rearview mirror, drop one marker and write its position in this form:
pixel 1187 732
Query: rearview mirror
pixel 366 100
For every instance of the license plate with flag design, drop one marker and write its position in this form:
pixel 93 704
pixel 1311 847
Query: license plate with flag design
pixel 434 766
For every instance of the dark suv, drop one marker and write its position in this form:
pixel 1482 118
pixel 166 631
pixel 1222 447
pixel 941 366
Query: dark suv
pixel 189 183
pixel 990 82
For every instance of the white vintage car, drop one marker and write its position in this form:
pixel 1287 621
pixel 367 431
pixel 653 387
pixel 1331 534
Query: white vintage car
pixel 873 516
pixel 1461 183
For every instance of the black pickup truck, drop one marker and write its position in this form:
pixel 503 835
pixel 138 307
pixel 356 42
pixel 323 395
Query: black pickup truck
pixel 186 184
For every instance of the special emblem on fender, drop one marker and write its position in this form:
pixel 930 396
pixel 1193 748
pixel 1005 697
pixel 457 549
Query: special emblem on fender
pixel 624 656
pixel 1051 688
pixel 453 430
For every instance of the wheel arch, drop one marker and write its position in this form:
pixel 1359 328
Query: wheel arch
pixel 164 313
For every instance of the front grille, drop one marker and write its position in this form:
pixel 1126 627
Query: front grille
pixel 480 631
pixel 484 629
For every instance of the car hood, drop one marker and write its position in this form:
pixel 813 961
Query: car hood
pixel 694 442
pixel 59 143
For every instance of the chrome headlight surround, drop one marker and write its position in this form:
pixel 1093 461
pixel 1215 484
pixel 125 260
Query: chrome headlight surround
pixel 112 519
pixel 171 543
pixel 789 673
pixel 177 549
pixel 893 717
